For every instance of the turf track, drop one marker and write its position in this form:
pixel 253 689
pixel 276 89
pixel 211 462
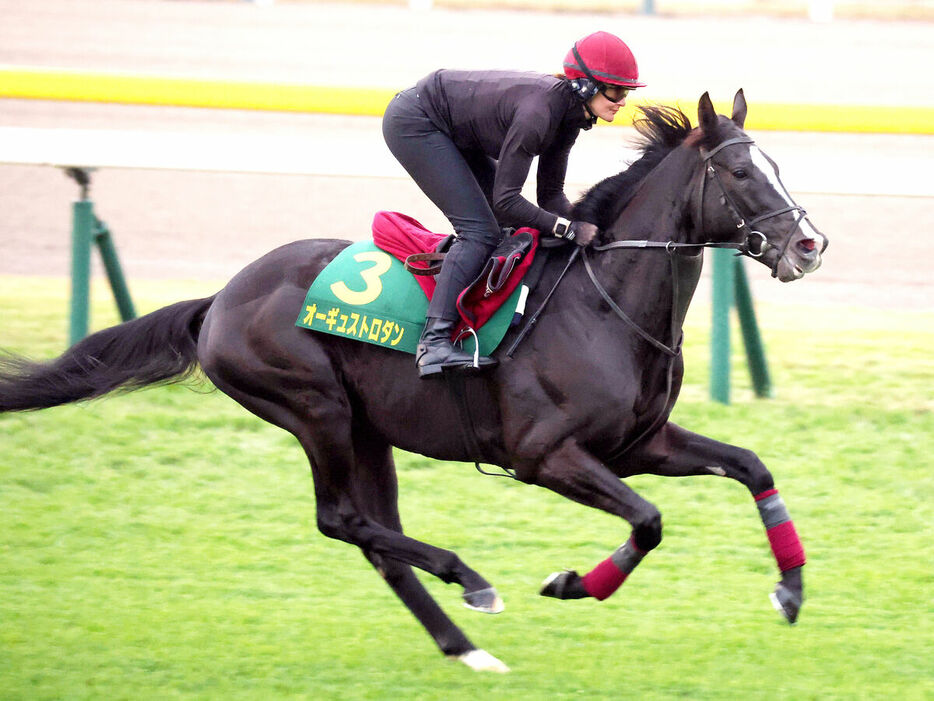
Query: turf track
pixel 162 544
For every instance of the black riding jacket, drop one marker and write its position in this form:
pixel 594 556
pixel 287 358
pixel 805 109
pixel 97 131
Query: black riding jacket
pixel 511 117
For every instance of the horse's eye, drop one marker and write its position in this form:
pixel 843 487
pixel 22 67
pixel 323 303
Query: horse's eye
pixel 739 173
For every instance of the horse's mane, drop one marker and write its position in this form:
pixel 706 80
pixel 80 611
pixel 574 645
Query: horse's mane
pixel 661 129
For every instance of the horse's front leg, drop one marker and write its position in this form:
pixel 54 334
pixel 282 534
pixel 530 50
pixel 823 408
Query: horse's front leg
pixel 676 452
pixel 576 474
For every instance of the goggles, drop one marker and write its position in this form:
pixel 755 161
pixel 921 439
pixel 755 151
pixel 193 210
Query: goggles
pixel 614 93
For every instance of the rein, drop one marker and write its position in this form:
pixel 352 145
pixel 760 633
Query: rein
pixel 670 247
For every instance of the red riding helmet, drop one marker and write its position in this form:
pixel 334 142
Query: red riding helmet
pixel 603 58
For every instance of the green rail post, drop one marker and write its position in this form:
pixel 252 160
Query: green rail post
pixel 723 272
pixel 648 7
pixel 87 230
pixel 114 272
pixel 731 288
pixel 755 350
pixel 81 238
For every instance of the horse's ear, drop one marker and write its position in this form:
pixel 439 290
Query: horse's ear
pixel 706 115
pixel 739 108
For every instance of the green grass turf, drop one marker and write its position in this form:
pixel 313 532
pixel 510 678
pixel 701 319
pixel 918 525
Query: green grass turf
pixel 163 544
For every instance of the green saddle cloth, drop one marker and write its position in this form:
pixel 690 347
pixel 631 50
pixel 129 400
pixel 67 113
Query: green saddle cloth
pixel 367 295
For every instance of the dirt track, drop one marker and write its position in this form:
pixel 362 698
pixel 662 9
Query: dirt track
pixel 176 224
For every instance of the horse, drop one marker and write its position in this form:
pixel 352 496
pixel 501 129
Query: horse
pixel 580 405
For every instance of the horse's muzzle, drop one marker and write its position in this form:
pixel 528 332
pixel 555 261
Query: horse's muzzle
pixel 802 256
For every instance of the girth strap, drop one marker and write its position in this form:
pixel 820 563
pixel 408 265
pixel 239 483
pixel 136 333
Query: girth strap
pixel 534 318
pixel 458 387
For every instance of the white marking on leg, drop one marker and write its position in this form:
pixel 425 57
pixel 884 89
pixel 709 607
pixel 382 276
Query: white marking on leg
pixel 717 470
pixel 482 661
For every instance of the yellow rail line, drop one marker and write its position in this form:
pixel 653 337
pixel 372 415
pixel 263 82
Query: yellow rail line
pixel 82 86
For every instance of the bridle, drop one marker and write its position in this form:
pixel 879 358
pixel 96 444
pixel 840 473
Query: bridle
pixel 746 247
pixel 754 244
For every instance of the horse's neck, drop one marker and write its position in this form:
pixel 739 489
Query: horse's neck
pixel 659 211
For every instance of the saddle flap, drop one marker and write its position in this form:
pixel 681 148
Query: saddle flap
pixel 504 260
pixel 501 274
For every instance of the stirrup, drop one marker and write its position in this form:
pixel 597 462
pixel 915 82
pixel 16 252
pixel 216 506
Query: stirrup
pixel 469 331
pixel 436 353
pixel 479 362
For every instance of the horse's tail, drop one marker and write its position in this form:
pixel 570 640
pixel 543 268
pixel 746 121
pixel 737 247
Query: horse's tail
pixel 159 347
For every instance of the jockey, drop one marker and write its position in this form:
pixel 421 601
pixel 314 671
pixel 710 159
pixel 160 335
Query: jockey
pixel 468 138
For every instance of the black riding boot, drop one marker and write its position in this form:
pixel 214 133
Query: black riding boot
pixel 436 353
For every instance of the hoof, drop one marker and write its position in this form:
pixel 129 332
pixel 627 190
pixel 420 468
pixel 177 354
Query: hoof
pixel 564 585
pixel 484 601
pixel 481 661
pixel 786 602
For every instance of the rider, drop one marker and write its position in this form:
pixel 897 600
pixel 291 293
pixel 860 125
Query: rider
pixel 468 138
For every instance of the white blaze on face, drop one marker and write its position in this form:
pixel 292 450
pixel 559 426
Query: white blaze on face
pixel 762 163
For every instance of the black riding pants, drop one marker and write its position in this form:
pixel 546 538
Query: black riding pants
pixel 458 183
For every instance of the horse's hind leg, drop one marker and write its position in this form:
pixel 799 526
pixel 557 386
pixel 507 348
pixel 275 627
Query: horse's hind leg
pixel 340 516
pixel 675 452
pixel 322 425
pixel 305 397
pixel 353 507
pixel 377 493
pixel 310 402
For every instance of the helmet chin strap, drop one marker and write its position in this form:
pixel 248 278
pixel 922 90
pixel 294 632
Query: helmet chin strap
pixel 590 114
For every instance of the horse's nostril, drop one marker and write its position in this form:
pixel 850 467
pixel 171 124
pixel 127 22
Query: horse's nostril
pixel 807 245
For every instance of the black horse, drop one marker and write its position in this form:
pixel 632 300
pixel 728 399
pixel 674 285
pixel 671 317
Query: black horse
pixel 583 402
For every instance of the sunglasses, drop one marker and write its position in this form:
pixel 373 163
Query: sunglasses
pixel 614 93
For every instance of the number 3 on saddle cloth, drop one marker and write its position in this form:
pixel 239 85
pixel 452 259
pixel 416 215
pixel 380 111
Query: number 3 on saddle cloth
pixel 367 294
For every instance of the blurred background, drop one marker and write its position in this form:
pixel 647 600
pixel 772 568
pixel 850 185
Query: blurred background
pixel 200 192
pixel 163 544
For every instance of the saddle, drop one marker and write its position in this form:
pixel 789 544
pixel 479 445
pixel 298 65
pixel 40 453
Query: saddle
pixel 422 253
pixel 368 294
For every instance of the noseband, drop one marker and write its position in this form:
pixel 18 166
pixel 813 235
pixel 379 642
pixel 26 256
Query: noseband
pixel 754 245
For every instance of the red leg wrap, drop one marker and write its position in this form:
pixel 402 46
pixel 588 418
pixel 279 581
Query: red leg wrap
pixel 786 546
pixel 603 579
